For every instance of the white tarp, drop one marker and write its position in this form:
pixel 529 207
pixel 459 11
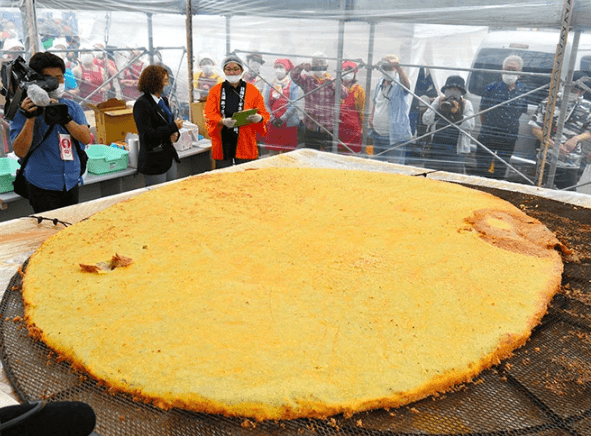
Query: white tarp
pixel 526 13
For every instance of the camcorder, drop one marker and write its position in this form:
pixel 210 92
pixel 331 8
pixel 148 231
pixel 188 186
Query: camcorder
pixel 17 79
pixel 446 104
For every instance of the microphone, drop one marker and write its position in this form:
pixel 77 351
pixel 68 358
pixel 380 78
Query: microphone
pixel 38 95
pixel 63 418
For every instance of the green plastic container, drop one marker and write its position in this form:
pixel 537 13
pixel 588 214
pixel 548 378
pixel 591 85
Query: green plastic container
pixel 103 159
pixel 8 167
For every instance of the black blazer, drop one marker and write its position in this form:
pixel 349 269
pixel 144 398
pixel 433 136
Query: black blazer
pixel 156 151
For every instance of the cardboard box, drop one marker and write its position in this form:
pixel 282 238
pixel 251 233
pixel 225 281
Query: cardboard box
pixel 197 117
pixel 113 120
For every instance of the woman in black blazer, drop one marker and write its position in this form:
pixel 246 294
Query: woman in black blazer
pixel 157 127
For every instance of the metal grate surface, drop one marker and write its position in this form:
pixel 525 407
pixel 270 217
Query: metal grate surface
pixel 544 389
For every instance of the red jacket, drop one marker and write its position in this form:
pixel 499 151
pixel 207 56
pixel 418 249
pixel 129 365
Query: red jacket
pixel 247 138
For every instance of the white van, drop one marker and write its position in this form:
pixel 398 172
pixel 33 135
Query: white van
pixel 537 49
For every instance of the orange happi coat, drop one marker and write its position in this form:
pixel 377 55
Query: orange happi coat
pixel 247 138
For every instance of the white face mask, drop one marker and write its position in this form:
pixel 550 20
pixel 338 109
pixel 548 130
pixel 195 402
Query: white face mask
pixel 233 79
pixel 389 75
pixel 98 54
pixel 453 93
pixel 509 79
pixel 87 58
pixel 319 73
pixel 280 73
pixel 207 69
pixel 58 93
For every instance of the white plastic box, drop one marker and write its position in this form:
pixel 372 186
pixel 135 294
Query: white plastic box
pixel 189 136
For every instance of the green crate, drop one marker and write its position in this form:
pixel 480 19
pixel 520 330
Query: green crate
pixel 103 159
pixel 8 167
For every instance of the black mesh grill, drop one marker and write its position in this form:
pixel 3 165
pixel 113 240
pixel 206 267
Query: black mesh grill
pixel 544 389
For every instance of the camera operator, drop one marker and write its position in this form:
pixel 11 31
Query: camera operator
pixel 53 170
pixel 449 146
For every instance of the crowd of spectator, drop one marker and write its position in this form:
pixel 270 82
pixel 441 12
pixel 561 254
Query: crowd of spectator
pixel 301 98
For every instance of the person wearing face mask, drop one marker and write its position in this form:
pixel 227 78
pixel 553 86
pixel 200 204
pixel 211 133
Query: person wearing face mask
pixel 254 61
pixel 280 97
pixel 389 115
pixel 170 89
pixel 319 89
pixel 574 151
pixel 90 77
pixel 15 47
pixel 500 126
pixel 53 169
pixel 104 61
pixel 206 77
pixel 129 80
pixel 449 146
pixel 231 144
pixel 71 86
pixel 73 43
pixel 158 128
pixel 352 109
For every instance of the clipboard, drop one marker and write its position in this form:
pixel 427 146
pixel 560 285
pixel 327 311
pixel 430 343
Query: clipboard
pixel 240 117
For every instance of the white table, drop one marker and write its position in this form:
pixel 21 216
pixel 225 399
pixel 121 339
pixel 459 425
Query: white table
pixel 193 161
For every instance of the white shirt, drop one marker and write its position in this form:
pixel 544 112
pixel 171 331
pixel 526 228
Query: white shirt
pixel 380 120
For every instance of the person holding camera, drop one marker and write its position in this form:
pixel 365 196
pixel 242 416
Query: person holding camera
pixel 53 169
pixel 389 115
pixel 319 89
pixel 449 146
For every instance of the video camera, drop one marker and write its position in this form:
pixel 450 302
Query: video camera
pixel 17 79
pixel 446 104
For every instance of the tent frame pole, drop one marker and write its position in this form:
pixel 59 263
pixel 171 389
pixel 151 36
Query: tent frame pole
pixel 553 88
pixel 368 84
pixel 30 22
pixel 190 59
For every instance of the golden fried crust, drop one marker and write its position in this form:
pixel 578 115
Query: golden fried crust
pixel 286 293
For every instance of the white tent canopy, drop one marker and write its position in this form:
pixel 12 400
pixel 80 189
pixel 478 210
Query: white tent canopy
pixel 525 13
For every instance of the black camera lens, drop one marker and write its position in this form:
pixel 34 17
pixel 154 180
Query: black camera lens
pixel 446 106
pixel 55 114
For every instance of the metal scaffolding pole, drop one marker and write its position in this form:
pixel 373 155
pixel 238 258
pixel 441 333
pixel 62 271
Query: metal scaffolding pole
pixel 563 107
pixel 150 38
pixel 553 88
pixel 28 18
pixel 227 35
pixel 338 82
pixel 368 84
pixel 190 62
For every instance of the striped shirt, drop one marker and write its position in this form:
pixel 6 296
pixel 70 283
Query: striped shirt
pixel 577 121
